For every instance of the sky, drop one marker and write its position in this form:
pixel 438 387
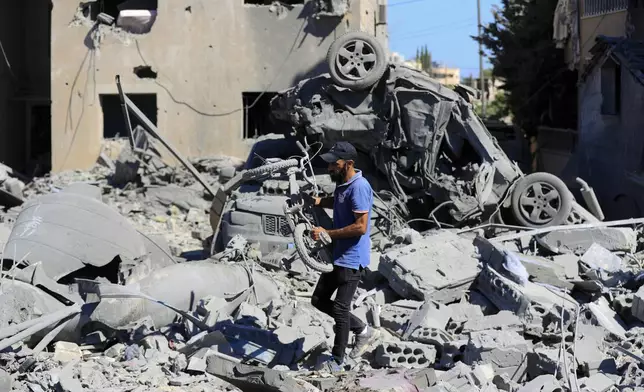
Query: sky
pixel 445 26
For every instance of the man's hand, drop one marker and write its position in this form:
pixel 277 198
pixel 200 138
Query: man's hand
pixel 310 200
pixel 315 233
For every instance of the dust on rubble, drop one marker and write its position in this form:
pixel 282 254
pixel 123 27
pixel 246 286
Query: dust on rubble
pixel 155 310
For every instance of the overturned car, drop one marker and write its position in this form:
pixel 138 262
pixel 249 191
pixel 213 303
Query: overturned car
pixel 424 138
pixel 422 147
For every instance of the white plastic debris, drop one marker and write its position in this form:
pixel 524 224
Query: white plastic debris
pixel 514 266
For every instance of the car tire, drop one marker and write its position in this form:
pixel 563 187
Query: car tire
pixel 541 200
pixel 348 64
pixel 299 236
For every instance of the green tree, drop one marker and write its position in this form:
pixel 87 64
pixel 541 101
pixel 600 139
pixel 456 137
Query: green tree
pixel 497 109
pixel 539 88
pixel 424 57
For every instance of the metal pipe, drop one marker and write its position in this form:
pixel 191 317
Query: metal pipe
pixel 152 130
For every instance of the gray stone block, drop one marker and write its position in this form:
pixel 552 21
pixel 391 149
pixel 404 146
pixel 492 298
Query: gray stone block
pixel 409 355
pixel 395 318
pixel 505 351
pixel 508 295
pixel 578 241
pixel 637 309
pixel 430 315
pixel 543 383
pixel 599 383
pixel 505 320
pixel 442 263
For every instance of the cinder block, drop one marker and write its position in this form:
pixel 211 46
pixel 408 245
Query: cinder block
pixel 409 355
pixel 395 318
pixel 433 336
pixel 431 315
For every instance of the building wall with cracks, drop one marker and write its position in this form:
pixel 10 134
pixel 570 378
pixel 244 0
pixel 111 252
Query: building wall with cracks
pixel 204 54
pixel 609 153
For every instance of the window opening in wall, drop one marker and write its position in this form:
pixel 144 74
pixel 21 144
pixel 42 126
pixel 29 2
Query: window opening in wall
pixel 611 81
pixel 269 2
pixel 257 119
pixel 113 121
pixel 39 139
pixel 134 16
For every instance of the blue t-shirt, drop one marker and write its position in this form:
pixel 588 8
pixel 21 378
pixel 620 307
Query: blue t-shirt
pixel 355 195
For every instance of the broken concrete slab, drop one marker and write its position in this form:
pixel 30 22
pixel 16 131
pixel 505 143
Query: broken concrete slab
pixel 599 383
pixel 539 269
pixel 637 309
pixel 598 257
pixel 589 353
pixel 399 380
pixel 440 267
pixel 253 378
pixel 65 352
pixel 547 360
pixel 504 320
pixel 570 264
pixel 184 198
pixel 578 241
pixel 395 318
pixel 600 313
pixel 505 351
pixel 508 295
pixel 543 383
pixel 430 315
pixel 5 381
pixel 178 285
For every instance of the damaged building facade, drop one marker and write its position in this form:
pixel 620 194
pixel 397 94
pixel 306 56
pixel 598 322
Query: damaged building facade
pixel 204 73
pixel 603 40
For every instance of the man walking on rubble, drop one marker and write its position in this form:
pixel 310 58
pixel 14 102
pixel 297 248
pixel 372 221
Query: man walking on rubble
pixel 351 205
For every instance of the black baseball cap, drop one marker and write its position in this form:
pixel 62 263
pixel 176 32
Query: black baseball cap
pixel 340 150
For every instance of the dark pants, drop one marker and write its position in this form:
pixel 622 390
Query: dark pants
pixel 345 280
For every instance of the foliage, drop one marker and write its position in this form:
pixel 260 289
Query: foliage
pixel 539 88
pixel 498 109
pixel 425 59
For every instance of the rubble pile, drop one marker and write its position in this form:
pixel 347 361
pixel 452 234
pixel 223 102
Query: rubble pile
pixel 106 287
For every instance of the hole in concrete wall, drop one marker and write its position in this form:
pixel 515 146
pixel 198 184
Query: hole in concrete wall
pixel 269 2
pixel 113 120
pixel 136 16
pixel 145 72
pixel 257 115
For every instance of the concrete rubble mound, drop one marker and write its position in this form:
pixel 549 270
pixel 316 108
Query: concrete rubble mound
pixel 109 283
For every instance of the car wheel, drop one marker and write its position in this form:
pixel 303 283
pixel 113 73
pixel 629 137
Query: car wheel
pixel 356 61
pixel 540 200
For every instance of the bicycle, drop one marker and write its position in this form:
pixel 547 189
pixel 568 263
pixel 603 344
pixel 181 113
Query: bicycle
pixel 317 255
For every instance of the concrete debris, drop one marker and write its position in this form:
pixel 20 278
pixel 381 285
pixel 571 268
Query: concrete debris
pixel 578 241
pixel 110 283
pixel 441 267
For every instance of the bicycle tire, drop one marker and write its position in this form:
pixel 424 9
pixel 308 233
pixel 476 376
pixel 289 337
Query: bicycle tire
pixel 265 169
pixel 302 251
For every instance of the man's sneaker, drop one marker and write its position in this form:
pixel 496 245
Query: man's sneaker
pixel 364 341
